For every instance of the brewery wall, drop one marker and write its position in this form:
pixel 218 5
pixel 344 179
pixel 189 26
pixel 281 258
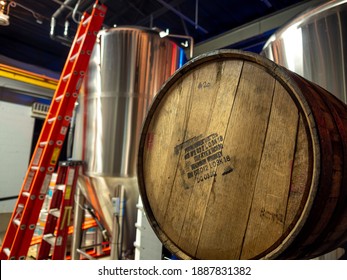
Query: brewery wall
pixel 20 90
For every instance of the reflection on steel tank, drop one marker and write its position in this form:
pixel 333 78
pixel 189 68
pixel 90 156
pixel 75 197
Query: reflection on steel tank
pixel 127 68
pixel 314 46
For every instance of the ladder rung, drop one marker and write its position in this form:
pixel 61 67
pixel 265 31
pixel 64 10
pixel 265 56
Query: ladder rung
pixel 7 251
pixel 51 120
pixel 60 187
pixel 66 77
pixel 79 39
pixel 72 58
pixel 44 143
pixel 86 21
pixel 50 238
pixel 34 168
pixel 26 194
pixel 55 212
pixel 16 222
pixel 60 97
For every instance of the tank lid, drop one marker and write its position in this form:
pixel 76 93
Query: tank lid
pixel 130 28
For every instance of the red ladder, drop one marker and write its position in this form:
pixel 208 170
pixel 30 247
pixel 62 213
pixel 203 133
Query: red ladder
pixel 23 221
pixel 60 212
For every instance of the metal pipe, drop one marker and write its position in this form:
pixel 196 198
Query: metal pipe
pixel 190 38
pixel 100 225
pixel 14 4
pixel 71 133
pixel 77 224
pixel 196 13
pixel 74 13
pixel 64 40
pixel 157 14
pixel 86 255
pixel 182 16
pixel 118 216
pixel 99 240
pixel 151 21
pixel 63 4
pixel 67 5
pixel 184 26
pixel 66 28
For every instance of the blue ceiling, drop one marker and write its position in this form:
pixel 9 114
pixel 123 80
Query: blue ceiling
pixel 27 38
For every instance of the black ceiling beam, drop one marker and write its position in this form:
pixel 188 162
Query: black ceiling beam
pixel 159 12
pixel 178 13
pixel 117 13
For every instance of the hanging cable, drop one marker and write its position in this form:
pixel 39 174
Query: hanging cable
pixel 14 4
pixel 196 14
pixel 75 11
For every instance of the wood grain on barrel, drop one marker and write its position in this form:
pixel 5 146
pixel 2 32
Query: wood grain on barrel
pixel 301 174
pixel 241 159
pixel 326 213
pixel 220 88
pixel 272 187
pixel 232 196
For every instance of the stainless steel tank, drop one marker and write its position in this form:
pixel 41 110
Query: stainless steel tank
pixel 314 45
pixel 127 68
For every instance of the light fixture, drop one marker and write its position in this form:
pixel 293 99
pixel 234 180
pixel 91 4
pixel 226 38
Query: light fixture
pixel 4 18
pixel 5 12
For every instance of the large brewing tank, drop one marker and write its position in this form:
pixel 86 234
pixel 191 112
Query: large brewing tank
pixel 314 45
pixel 128 65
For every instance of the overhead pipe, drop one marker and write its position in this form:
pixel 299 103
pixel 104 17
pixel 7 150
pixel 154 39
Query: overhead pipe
pixel 75 11
pixel 71 6
pixel 4 20
pixel 157 13
pixel 166 33
pixel 62 39
pixel 196 14
pixel 191 43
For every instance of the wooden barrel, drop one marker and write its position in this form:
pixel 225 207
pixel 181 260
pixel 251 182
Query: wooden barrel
pixel 240 158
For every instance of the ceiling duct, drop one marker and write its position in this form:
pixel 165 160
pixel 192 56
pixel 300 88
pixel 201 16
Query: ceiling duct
pixel 68 9
pixel 58 13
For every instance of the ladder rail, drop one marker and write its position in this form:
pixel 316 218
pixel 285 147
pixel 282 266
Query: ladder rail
pixel 19 234
pixel 66 212
pixel 59 216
